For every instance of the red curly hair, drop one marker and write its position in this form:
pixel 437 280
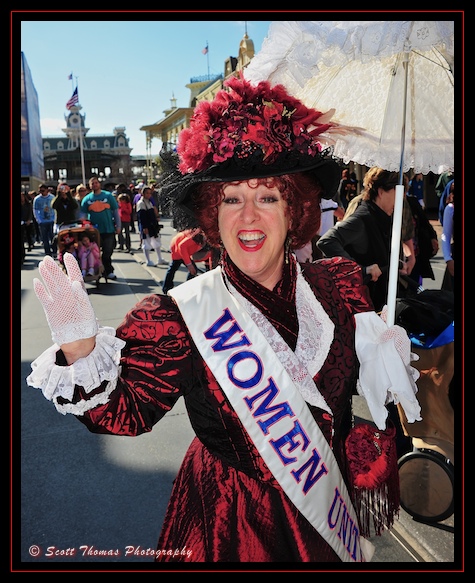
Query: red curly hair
pixel 301 191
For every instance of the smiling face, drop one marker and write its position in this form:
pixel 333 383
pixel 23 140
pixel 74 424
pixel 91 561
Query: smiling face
pixel 253 223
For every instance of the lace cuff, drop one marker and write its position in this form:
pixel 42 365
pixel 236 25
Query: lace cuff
pixel 384 375
pixel 102 364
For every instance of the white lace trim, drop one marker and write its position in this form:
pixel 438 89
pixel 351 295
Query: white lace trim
pixel 315 336
pixel 102 364
pixel 316 330
pixel 82 406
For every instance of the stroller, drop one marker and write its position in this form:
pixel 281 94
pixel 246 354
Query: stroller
pixel 69 238
pixel 426 474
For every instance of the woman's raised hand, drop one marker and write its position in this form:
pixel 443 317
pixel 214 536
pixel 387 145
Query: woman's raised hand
pixel 68 309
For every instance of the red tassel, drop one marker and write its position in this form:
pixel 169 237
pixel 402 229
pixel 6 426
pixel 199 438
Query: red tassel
pixel 373 476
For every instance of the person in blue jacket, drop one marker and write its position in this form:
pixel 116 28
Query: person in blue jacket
pixel 443 200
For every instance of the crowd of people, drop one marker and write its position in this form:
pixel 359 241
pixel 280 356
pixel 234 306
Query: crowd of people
pixel 46 212
pixel 115 221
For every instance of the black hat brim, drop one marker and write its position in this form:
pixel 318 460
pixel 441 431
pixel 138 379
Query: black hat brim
pixel 177 188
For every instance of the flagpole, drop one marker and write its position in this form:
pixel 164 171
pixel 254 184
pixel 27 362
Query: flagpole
pixel 81 148
pixel 72 80
pixel 207 56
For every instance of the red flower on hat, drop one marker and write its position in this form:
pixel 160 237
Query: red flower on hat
pixel 245 119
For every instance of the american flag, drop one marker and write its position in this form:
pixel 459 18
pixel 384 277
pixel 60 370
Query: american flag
pixel 74 99
pixel 205 50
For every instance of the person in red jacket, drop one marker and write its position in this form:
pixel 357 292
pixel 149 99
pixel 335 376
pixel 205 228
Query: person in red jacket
pixel 182 246
pixel 125 213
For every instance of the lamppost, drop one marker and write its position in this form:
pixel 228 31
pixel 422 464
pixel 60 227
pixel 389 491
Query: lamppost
pixel 148 156
pixel 81 150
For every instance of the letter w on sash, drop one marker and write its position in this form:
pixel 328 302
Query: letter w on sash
pixel 223 336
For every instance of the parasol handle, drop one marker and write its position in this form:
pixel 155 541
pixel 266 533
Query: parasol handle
pixel 397 214
pixel 394 258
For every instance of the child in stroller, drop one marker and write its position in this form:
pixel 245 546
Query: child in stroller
pixel 67 244
pixel 89 255
pixel 82 240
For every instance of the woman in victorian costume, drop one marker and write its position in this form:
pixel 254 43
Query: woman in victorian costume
pixel 265 351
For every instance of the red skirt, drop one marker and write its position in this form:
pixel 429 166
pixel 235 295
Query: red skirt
pixel 219 514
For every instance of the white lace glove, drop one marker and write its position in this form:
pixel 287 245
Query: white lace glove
pixel 385 373
pixel 65 301
pixel 401 340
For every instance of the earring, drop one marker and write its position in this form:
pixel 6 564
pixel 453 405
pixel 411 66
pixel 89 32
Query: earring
pixel 287 249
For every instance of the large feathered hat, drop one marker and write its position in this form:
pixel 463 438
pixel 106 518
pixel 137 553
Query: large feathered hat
pixel 246 132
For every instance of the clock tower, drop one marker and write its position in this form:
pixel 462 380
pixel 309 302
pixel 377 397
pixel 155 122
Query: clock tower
pixel 75 129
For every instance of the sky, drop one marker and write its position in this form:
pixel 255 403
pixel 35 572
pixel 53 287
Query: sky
pixel 127 71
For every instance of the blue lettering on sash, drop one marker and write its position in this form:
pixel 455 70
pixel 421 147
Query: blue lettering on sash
pixel 352 546
pixel 346 525
pixel 289 439
pixel 251 381
pixel 312 477
pixel 269 394
pixel 348 531
pixel 223 337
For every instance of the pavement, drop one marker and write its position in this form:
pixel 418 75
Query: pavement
pixel 94 499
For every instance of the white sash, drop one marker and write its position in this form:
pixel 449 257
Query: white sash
pixel 272 410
